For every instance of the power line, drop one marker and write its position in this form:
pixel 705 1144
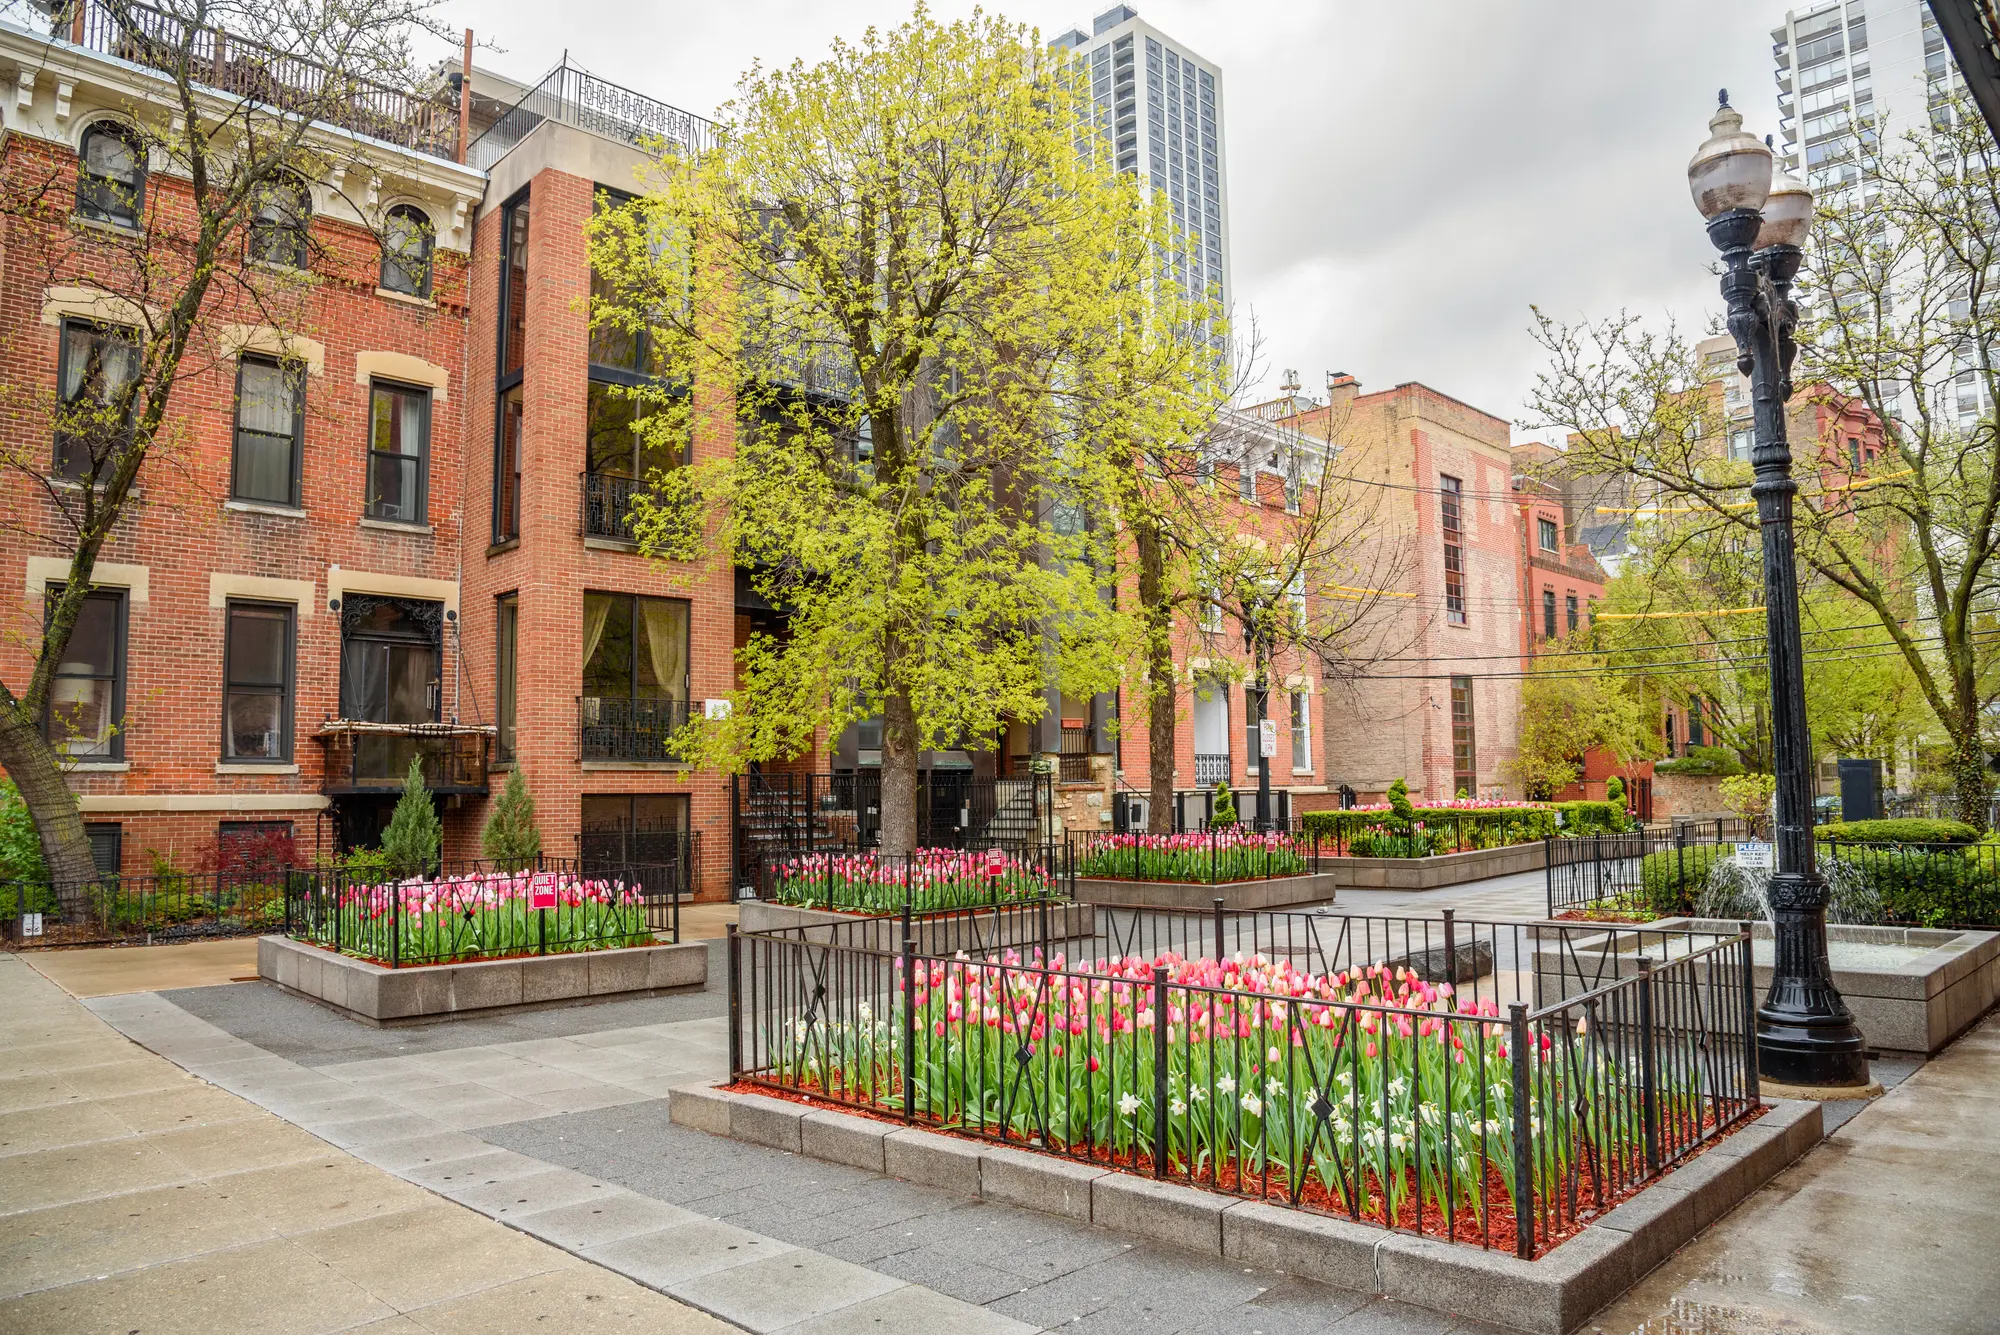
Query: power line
pixel 1635 649
pixel 1643 669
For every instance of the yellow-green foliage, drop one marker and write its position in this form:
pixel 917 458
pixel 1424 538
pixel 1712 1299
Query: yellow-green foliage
pixel 908 230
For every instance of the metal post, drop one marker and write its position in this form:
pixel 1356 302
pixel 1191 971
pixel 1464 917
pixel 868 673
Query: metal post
pixel 1451 947
pixel 1159 1070
pixel 1218 929
pixel 1750 1012
pixel 1805 1033
pixel 1649 1072
pixel 735 1001
pixel 909 1029
pixel 1524 1150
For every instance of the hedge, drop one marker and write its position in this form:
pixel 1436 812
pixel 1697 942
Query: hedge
pixel 1905 830
pixel 1956 885
pixel 1484 827
pixel 1705 761
pixel 1671 878
pixel 1581 818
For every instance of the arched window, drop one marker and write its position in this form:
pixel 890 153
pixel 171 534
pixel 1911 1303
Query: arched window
pixel 111 176
pixel 406 252
pixel 278 231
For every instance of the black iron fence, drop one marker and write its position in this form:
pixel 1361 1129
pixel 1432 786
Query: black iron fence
pixel 635 731
pixel 472 911
pixel 1651 875
pixel 1213 856
pixel 1490 1083
pixel 927 880
pixel 173 906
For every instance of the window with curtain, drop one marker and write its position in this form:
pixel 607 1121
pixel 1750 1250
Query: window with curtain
pixel 87 692
pixel 399 443
pixel 507 643
pixel 257 683
pixel 389 660
pixel 95 365
pixel 111 175
pixel 407 238
pixel 270 424
pixel 1301 730
pixel 635 648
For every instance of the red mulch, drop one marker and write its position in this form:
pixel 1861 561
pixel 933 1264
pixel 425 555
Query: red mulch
pixel 1495 1231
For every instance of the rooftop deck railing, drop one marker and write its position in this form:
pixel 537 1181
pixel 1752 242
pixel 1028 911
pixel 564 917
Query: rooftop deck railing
pixel 570 96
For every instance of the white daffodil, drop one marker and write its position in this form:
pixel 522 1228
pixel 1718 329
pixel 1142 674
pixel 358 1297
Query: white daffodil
pixel 1128 1104
pixel 1198 1094
pixel 1397 1087
pixel 1227 1084
pixel 865 1011
pixel 1177 1108
pixel 1253 1105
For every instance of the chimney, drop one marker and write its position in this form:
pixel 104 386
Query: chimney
pixel 1341 389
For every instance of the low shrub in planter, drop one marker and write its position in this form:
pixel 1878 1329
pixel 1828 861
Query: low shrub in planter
pixel 1451 827
pixel 1206 857
pixel 923 881
pixel 1904 830
pixel 1702 762
pixel 1672 879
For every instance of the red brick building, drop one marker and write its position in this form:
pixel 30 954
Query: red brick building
pixel 293 554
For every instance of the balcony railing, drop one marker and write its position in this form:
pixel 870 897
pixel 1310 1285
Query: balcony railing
pixel 375 757
pixel 1210 770
pixel 607 505
pixel 571 97
pixel 631 731
pixel 284 80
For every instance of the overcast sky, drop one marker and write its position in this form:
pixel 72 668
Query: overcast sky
pixel 1404 178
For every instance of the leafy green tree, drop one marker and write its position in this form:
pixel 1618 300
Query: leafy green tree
pixel 921 297
pixel 20 850
pixel 1571 704
pixel 510 837
pixel 1901 315
pixel 414 833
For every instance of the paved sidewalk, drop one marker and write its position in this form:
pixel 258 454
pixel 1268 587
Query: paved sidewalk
pixel 1889 1228
pixel 134 1197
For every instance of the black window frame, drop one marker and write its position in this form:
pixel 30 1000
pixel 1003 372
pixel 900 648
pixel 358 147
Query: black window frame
pixel 509 424
pixel 282 237
pixel 297 466
pixel 506 671
pixel 1465 732
pixel 632 670
pixel 65 459
pixel 396 260
pixel 507 451
pixel 286 687
pixel 1548 613
pixel 1548 534
pixel 119 678
pixel 92 190
pixel 107 846
pixel 1570 611
pixel 423 457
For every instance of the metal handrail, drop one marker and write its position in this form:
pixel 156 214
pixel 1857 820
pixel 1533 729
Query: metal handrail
pixel 571 96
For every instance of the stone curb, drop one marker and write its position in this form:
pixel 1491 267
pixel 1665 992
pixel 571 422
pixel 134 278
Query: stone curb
pixel 1549 1296
pixel 415 994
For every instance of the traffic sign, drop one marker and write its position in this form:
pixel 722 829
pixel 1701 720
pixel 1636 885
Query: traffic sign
pixel 542 890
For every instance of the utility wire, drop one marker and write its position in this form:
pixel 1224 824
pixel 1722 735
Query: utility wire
pixel 1643 669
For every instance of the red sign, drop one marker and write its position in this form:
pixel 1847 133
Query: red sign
pixel 542 890
pixel 996 862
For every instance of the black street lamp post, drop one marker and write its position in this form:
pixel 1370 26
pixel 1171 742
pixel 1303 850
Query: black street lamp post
pixel 1805 1034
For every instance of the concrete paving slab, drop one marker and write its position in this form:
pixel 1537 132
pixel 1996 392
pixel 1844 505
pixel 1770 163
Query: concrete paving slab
pixel 779 1291
pixel 62 1244
pixel 319 1193
pixel 576 1300
pixel 602 1219
pixel 550 1189
pixel 80 1173
pixel 674 1255
pixel 414 1258
pixel 435 1147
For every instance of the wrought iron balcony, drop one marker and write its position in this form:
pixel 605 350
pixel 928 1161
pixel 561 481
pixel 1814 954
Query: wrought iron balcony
pixel 375 757
pixel 607 505
pixel 286 80
pixel 1210 770
pixel 569 96
pixel 631 731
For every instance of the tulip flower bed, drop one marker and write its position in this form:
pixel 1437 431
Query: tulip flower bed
pixel 1206 857
pixel 478 915
pixel 927 880
pixel 1369 1092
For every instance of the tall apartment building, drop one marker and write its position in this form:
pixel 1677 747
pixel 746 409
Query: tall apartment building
pixel 1159 114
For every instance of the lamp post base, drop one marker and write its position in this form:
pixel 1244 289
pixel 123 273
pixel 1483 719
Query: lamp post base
pixel 1794 1050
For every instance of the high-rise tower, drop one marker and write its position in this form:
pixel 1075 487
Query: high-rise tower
pixel 1159 110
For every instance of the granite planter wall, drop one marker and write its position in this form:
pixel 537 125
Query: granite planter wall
pixel 419 994
pixel 1278 892
pixel 1434 873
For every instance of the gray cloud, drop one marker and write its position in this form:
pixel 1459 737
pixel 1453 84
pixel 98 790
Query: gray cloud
pixel 1405 179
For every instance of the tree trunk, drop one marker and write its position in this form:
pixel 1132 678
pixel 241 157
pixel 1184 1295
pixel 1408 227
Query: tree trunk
pixel 31 763
pixel 1968 774
pixel 1162 696
pixel 899 774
